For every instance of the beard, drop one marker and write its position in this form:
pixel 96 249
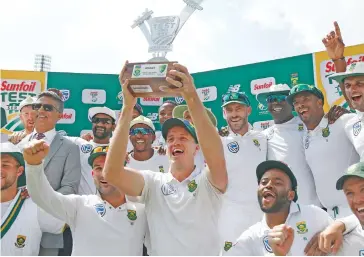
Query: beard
pixel 103 135
pixel 281 201
pixel 236 127
pixel 7 184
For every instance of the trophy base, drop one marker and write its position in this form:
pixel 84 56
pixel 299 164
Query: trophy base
pixel 145 79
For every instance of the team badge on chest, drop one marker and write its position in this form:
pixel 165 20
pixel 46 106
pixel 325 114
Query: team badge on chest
pixel 256 143
pixel 100 209
pixel 227 246
pixel 326 132
pixel 20 241
pixel 161 169
pixel 266 245
pixel 300 127
pixel 132 215
pixel 192 186
pixel 86 148
pixel 357 128
pixel 233 147
pixel 302 227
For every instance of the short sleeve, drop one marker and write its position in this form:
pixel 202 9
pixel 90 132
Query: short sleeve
pixel 350 222
pixel 148 184
pixel 211 190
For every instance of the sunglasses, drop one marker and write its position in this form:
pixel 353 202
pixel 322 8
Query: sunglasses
pixel 102 120
pixel 100 149
pixel 276 98
pixel 46 107
pixel 143 131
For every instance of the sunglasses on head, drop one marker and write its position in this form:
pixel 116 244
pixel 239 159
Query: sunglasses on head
pixel 46 107
pixel 100 149
pixel 143 131
pixel 276 98
pixel 102 120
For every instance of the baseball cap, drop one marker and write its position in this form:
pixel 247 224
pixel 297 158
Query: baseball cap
pixel 354 69
pixel 142 120
pixel 26 102
pixel 104 110
pixel 235 97
pixel 14 151
pixel 355 170
pixel 274 89
pixel 267 165
pixel 303 88
pixel 174 122
pixel 179 110
pixel 96 152
pixel 138 108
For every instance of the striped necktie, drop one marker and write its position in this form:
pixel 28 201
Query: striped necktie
pixel 39 136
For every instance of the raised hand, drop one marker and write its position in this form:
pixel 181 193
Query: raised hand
pixel 35 152
pixel 334 43
pixel 182 80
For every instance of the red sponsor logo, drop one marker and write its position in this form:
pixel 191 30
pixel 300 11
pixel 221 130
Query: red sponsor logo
pixel 151 99
pixel 263 86
pixel 22 86
pixel 67 116
pixel 264 125
pixel 330 66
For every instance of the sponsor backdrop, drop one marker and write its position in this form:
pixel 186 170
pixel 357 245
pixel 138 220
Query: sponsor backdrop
pixel 83 91
pixel 15 87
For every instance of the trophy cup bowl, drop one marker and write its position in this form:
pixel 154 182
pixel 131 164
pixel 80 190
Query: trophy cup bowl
pixel 146 78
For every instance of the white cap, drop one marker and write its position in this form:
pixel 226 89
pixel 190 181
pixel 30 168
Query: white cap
pixel 104 110
pixel 354 69
pixel 143 120
pixel 27 101
pixel 274 89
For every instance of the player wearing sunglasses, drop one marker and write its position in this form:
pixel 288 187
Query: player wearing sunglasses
pixel 144 156
pixel 183 205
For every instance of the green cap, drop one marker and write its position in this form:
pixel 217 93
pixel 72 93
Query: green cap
pixel 304 88
pixel 14 151
pixel 96 152
pixel 355 170
pixel 235 97
pixel 175 122
pixel 268 165
pixel 179 110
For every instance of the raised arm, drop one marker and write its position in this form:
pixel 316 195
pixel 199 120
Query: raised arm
pixel 127 180
pixel 335 49
pixel 58 205
pixel 208 137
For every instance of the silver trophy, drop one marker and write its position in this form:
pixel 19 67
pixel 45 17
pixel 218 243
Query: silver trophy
pixel 161 31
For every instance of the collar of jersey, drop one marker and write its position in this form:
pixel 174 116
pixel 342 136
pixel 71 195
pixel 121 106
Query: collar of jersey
pixel 194 174
pixel 323 124
pixel 124 206
pixel 294 208
pixel 360 115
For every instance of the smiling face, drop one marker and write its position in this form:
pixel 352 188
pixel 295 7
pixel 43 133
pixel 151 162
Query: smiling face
pixel 275 191
pixel 308 107
pixel 101 184
pixel 10 171
pixel 28 117
pixel 354 192
pixel 237 116
pixel 279 109
pixel 102 126
pixel 142 142
pixel 165 112
pixel 47 120
pixel 354 89
pixel 181 146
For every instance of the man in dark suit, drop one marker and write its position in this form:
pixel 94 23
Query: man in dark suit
pixel 62 164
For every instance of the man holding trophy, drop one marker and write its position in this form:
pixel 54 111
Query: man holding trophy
pixel 182 206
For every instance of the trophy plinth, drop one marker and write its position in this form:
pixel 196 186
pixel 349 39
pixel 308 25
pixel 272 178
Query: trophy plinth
pixel 145 79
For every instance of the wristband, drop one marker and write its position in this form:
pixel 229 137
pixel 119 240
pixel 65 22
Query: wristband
pixel 338 59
